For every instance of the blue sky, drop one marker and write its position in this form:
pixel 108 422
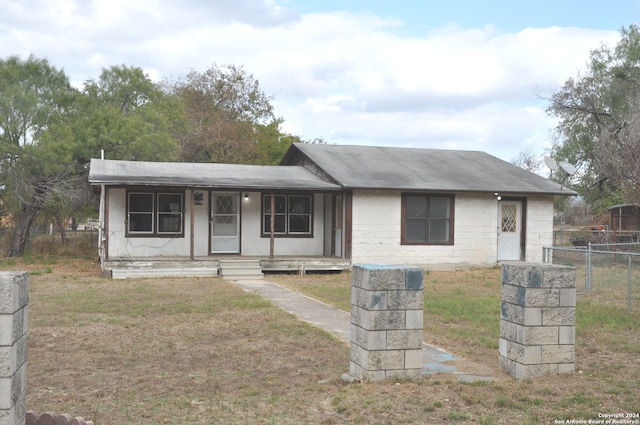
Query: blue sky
pixel 465 75
pixel 504 15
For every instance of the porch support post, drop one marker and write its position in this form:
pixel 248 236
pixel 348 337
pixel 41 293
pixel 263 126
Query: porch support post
pixel 105 232
pixel 192 225
pixel 273 223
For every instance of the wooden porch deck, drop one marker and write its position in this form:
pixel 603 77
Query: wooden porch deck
pixel 212 266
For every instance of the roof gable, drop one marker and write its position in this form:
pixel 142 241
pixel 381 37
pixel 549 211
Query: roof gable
pixel 372 167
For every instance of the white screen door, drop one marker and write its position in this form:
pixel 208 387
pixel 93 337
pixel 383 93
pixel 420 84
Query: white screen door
pixel 225 223
pixel 509 230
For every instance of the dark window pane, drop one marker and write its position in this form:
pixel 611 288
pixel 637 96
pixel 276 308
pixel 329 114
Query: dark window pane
pixel 416 230
pixel 299 223
pixel 169 223
pixel 439 207
pixel 439 231
pixel 171 202
pixel 280 222
pixel 140 222
pixel 416 206
pixel 141 202
pixel 280 204
pixel 300 204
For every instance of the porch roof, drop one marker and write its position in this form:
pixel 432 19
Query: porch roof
pixel 227 176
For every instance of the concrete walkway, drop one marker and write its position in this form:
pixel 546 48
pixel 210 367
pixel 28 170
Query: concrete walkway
pixel 338 322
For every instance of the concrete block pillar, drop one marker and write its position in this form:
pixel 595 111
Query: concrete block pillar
pixel 387 308
pixel 537 320
pixel 14 297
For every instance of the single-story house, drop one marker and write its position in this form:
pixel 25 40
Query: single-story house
pixel 324 207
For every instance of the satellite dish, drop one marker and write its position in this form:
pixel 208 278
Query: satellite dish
pixel 569 168
pixel 551 163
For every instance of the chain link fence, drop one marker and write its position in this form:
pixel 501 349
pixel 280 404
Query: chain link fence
pixel 45 241
pixel 607 273
pixel 594 235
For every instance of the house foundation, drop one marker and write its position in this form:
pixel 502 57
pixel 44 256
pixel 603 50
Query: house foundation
pixel 537 320
pixel 387 309
pixel 14 297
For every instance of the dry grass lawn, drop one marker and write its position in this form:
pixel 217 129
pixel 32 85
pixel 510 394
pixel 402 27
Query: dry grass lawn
pixel 202 351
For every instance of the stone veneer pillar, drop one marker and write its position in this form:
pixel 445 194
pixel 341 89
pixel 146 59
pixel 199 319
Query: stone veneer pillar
pixel 387 309
pixel 14 297
pixel 538 319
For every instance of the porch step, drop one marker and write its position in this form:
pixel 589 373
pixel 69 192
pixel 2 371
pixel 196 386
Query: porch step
pixel 241 269
pixel 159 268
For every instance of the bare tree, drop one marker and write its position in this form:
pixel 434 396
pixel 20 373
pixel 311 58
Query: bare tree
pixel 617 153
pixel 229 117
pixel 528 159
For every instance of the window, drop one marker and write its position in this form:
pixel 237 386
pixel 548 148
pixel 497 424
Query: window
pixel 154 214
pixel 427 219
pixel 292 215
pixel 508 219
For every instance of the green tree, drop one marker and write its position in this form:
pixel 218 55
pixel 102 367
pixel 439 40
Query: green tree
pixel 33 97
pixel 122 114
pixel 125 115
pixel 598 124
pixel 230 119
pixel 49 132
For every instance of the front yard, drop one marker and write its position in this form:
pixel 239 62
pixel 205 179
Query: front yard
pixel 202 351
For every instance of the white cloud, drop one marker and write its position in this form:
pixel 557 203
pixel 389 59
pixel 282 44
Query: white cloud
pixel 348 78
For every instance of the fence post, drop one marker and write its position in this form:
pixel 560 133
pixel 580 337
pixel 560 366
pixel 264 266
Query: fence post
pixel 629 285
pixel 588 269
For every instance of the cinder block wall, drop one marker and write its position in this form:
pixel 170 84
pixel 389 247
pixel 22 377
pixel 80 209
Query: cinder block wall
pixel 387 309
pixel 537 320
pixel 14 297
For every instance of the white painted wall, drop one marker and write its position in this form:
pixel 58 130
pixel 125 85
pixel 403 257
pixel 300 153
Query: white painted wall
pixel 377 227
pixel 253 244
pixel 121 246
pixel 539 226
pixel 376 231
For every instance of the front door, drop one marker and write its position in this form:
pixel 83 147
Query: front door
pixel 225 223
pixel 509 230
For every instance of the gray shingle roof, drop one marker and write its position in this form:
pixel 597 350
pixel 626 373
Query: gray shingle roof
pixel 370 167
pixel 112 172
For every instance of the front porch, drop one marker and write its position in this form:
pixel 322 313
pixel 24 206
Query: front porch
pixel 231 267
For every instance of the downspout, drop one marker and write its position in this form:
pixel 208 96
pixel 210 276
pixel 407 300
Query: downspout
pixel 192 225
pixel 101 219
pixel 101 241
pixel 273 223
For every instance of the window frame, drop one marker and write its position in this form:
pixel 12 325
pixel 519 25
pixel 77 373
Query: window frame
pixel 287 214
pixel 427 219
pixel 156 214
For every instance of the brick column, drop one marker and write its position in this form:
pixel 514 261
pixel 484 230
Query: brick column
pixel 14 297
pixel 538 319
pixel 387 309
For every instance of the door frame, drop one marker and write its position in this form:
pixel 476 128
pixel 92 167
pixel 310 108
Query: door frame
pixel 338 221
pixel 238 215
pixel 523 226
